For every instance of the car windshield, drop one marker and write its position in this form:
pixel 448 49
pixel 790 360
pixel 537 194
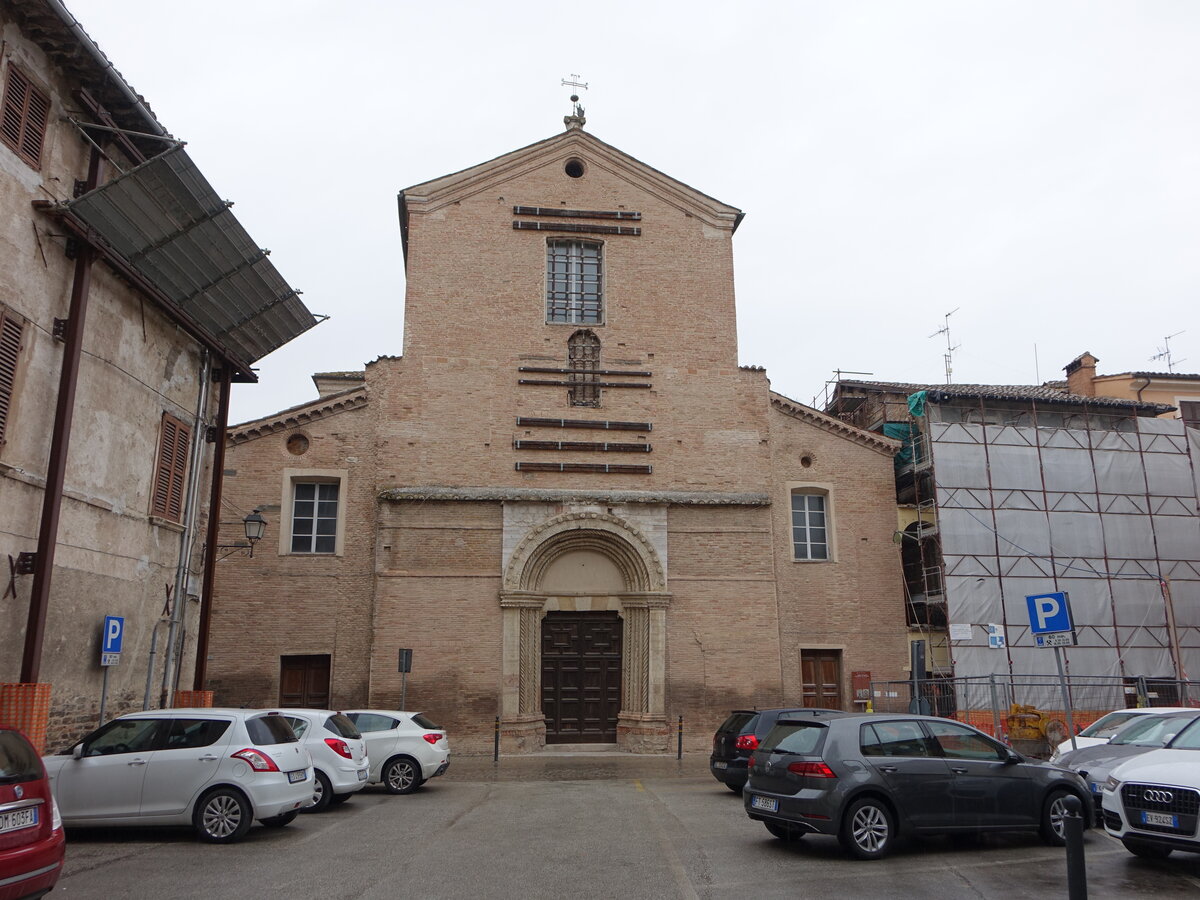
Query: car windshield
pixel 18 761
pixel 342 726
pixel 1153 731
pixel 267 730
pixel 801 738
pixel 1106 726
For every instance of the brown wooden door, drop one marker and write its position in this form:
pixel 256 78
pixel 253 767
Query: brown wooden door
pixel 304 681
pixel 581 677
pixel 821 672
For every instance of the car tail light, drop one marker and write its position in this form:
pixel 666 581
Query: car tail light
pixel 433 738
pixel 259 762
pixel 746 742
pixel 750 762
pixel 812 769
pixel 340 747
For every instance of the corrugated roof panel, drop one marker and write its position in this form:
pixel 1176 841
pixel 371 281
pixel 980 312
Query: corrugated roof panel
pixel 168 223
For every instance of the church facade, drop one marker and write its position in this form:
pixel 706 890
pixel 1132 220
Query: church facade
pixel 566 497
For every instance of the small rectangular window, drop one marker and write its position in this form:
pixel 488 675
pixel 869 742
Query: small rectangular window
pixel 314 517
pixel 574 282
pixel 171 473
pixel 1189 411
pixel 810 537
pixel 24 116
pixel 12 329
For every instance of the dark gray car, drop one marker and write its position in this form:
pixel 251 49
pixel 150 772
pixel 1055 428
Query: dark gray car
pixel 1143 734
pixel 868 778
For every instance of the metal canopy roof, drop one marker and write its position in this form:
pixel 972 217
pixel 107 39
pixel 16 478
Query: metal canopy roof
pixel 166 221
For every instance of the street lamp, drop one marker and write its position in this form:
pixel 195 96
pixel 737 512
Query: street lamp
pixel 255 526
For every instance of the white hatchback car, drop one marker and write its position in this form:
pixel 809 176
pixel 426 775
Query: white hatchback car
pixel 406 748
pixel 216 769
pixel 1100 731
pixel 1152 802
pixel 339 754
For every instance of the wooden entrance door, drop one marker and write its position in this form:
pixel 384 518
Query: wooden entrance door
pixel 304 681
pixel 821 673
pixel 581 677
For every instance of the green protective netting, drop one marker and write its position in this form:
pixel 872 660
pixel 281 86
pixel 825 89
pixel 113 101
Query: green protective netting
pixel 906 433
pixel 916 403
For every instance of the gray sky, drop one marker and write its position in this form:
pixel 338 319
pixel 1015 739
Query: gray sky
pixel 1034 165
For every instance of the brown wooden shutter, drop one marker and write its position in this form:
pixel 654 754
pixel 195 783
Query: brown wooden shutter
pixel 11 329
pixel 24 117
pixel 171 474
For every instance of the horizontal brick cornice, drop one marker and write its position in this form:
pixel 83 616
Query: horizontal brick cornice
pixel 296 416
pixel 552 495
pixel 877 442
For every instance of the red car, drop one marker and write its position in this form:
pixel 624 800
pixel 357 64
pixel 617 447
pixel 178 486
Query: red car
pixel 31 833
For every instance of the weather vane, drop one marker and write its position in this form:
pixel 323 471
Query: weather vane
pixel 574 82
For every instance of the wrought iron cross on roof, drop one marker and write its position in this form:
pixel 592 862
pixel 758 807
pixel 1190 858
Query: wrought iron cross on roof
pixel 572 83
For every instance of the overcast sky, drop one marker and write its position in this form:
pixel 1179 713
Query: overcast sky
pixel 1033 165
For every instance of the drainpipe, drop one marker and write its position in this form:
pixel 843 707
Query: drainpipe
pixel 1145 384
pixel 214 527
pixel 187 538
pixel 56 468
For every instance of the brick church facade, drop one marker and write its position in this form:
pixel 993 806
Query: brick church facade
pixel 566 496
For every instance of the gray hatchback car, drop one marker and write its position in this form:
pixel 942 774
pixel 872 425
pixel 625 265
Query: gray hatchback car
pixel 869 778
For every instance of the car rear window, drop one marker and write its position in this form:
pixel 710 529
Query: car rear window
pixel 340 725
pixel 267 730
pixel 795 737
pixel 733 725
pixel 419 719
pixel 18 761
pixel 1107 726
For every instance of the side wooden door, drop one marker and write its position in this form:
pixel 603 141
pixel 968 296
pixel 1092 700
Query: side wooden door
pixel 821 674
pixel 304 681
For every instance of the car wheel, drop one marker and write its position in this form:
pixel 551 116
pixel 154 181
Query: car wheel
pixel 784 832
pixel 281 820
pixel 401 775
pixel 338 799
pixel 1144 850
pixel 322 792
pixel 222 816
pixel 1054 810
pixel 868 829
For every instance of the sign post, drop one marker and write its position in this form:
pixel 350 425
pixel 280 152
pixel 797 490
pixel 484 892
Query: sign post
pixel 405 668
pixel 1051 624
pixel 112 636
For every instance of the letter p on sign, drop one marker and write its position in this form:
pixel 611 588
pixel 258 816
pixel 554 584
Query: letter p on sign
pixel 1049 613
pixel 113 634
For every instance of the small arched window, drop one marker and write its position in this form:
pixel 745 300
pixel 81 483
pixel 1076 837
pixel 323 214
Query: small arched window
pixel 583 360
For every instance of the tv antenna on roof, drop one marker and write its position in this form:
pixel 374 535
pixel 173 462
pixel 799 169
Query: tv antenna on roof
pixel 950 348
pixel 1165 351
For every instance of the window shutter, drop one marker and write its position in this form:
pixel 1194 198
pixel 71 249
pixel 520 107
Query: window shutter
pixel 171 473
pixel 11 329
pixel 25 114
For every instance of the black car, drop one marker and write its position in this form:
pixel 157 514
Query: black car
pixel 741 733
pixel 867 778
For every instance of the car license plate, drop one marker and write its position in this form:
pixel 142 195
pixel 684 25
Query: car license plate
pixel 362 774
pixel 1153 818
pixel 720 765
pixel 298 775
pixel 1095 788
pixel 18 819
pixel 768 803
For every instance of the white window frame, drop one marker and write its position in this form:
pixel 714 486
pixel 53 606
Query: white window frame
pixel 292 477
pixel 817 490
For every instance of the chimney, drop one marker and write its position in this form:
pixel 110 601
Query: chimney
pixel 1081 375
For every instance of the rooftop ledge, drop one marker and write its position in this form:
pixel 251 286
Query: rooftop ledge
pixel 553 495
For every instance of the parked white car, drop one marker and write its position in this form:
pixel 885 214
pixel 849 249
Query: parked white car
pixel 406 748
pixel 1152 802
pixel 215 769
pixel 339 754
pixel 1100 731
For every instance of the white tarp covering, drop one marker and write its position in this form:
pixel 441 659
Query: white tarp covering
pixel 1111 517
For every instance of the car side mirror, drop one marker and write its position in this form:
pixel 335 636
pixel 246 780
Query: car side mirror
pixel 1011 757
pixel 77 751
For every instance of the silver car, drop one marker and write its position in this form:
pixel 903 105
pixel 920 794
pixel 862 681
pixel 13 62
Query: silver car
pixel 215 769
pixel 339 754
pixel 406 748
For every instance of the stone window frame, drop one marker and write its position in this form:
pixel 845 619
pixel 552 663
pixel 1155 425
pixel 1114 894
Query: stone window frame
pixel 825 491
pixel 293 477
pixel 571 316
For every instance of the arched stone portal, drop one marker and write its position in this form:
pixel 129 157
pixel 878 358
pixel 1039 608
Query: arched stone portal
pixel 585 562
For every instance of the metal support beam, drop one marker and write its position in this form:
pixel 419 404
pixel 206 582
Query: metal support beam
pixel 213 536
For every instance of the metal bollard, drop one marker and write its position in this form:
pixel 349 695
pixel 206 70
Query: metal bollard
pixel 1073 832
pixel 496 742
pixel 679 744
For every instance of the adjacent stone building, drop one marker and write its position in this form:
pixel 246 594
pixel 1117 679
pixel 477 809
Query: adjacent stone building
pixel 567 498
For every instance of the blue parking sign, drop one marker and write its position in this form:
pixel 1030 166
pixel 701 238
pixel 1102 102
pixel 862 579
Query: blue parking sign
pixel 1049 613
pixel 113 634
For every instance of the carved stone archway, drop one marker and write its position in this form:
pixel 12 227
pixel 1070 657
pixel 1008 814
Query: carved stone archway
pixel 641 601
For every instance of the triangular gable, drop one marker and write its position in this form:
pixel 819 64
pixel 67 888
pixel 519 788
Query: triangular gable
pixel 795 410
pixel 296 416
